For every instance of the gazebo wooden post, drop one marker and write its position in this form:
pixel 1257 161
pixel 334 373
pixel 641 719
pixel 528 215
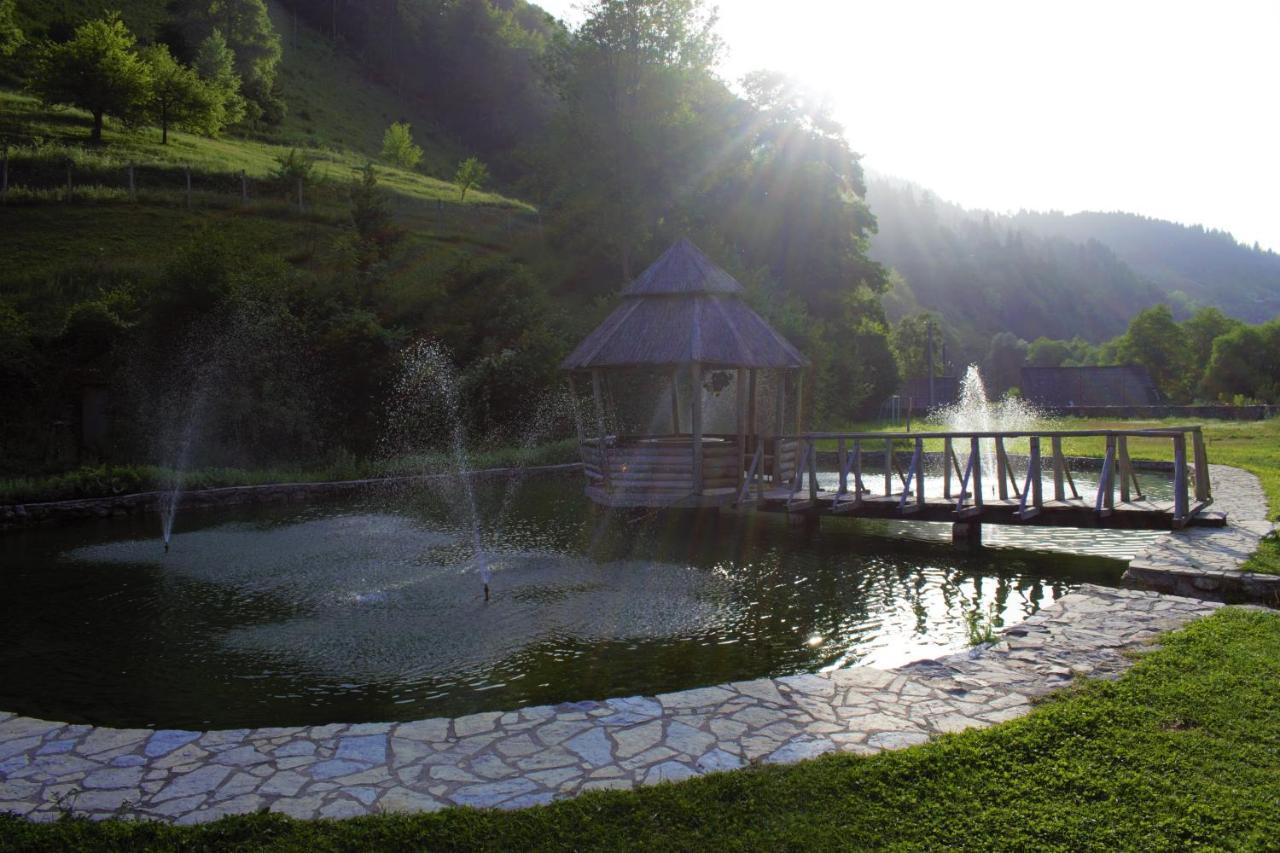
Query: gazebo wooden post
pixel 740 400
pixel 695 382
pixel 799 402
pixel 675 401
pixel 779 427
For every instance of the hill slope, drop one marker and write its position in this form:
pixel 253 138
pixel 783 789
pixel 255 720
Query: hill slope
pixel 1058 276
pixel 1193 265
pixel 985 276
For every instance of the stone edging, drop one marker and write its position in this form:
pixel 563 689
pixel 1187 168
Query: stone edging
pixel 1205 563
pixel 536 755
pixel 27 514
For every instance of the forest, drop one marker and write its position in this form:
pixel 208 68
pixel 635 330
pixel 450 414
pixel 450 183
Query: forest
pixel 472 172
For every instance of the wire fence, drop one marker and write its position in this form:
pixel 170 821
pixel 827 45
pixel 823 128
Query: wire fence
pixel 50 180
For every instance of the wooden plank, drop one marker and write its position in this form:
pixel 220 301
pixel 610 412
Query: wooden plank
pixel 1181 502
pixel 888 467
pixel 675 402
pixel 1002 467
pixel 1037 476
pixel 1059 466
pixel 1126 470
pixel 975 460
pixel 946 468
pixel 740 406
pixel 857 467
pixel 920 472
pixel 779 428
pixel 842 459
pixel 813 470
pixel 1204 491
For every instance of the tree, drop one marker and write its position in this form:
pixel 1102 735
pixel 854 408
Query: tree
pixel 179 97
pixel 626 133
pixel 1046 352
pixel 911 345
pixel 253 41
pixel 375 231
pixel 471 173
pixel 11 36
pixel 215 63
pixel 1246 363
pixel 98 70
pixel 1155 341
pixel 1005 360
pixel 1202 329
pixel 398 147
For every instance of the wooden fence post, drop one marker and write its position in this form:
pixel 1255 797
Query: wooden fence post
pixel 68 182
pixel 133 193
pixel 187 171
pixel 301 209
pixel 4 176
pixel 244 188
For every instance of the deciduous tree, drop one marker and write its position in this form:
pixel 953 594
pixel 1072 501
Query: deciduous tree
pixel 471 175
pixel 11 35
pixel 398 147
pixel 99 70
pixel 179 96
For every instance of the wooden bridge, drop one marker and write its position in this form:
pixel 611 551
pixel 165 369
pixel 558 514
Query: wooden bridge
pixel 883 475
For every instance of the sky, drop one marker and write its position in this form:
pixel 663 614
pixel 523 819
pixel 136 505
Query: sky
pixel 1167 109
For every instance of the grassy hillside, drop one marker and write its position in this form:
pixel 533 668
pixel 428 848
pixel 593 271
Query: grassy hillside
pixel 47 138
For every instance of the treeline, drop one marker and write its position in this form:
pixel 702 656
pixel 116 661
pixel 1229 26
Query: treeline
pixel 209 66
pixel 1208 357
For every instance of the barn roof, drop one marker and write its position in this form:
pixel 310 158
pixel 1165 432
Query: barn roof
pixel 684 309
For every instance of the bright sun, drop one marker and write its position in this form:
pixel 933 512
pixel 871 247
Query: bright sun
pixel 1158 108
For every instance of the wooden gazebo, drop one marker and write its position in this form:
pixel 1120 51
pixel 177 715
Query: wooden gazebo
pixel 678 348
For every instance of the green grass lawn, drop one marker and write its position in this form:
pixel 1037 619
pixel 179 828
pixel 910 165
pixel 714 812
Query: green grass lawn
pixel 1182 752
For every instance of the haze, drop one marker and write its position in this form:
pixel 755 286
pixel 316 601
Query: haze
pixel 1163 109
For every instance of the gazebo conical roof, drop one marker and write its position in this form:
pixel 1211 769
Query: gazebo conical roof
pixel 681 310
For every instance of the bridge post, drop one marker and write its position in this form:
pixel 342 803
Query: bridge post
pixel 842 459
pixel 967 535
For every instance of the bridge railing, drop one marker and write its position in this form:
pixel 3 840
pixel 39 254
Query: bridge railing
pixel 988 456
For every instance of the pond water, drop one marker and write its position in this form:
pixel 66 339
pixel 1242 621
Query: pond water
pixel 372 610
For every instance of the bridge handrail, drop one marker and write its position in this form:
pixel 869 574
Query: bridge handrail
pixel 1117 468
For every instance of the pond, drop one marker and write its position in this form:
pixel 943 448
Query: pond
pixel 372 609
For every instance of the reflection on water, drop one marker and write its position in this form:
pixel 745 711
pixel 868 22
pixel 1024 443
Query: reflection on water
pixel 373 611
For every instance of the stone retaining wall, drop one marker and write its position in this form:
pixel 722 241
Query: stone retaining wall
pixel 52 512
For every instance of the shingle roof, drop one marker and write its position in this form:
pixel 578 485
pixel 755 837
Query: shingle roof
pixel 684 309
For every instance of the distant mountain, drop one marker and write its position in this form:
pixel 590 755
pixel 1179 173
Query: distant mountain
pixel 1195 265
pixel 1056 275
pixel 984 275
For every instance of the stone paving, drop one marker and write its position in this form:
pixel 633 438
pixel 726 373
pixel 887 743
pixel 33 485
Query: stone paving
pixel 1205 561
pixel 536 755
